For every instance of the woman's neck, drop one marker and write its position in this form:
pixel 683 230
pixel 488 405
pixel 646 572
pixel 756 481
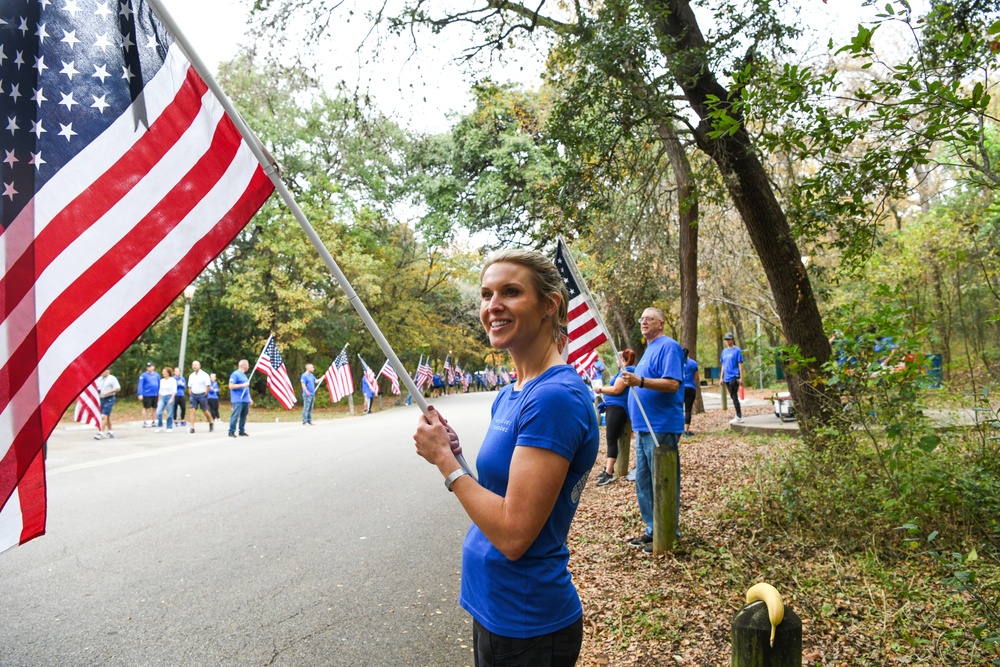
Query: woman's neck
pixel 533 362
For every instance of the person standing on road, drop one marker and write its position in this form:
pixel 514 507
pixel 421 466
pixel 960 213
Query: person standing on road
pixel 515 578
pixel 690 389
pixel 308 382
pixel 168 393
pixel 198 384
pixel 655 383
pixel 213 397
pixel 732 371
pixel 108 388
pixel 149 390
pixel 615 415
pixel 239 396
pixel 368 393
pixel 179 404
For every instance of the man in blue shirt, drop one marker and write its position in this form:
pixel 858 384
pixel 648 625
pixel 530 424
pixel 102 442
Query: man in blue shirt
pixel 149 393
pixel 732 371
pixel 656 384
pixel 308 381
pixel 239 396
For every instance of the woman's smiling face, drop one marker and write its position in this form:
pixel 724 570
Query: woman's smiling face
pixel 512 311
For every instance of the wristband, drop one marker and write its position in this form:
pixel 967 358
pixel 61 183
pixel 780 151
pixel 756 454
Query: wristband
pixel 642 382
pixel 450 479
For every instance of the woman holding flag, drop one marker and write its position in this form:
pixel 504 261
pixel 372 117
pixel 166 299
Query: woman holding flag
pixel 532 468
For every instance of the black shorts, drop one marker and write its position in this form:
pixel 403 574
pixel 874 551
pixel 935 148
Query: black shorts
pixel 199 401
pixel 150 401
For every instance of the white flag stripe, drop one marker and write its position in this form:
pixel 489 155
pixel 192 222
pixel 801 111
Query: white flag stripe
pixel 108 230
pixel 10 522
pixel 120 299
pixel 70 181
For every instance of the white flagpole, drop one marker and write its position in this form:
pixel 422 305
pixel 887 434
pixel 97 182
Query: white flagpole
pixel 582 284
pixel 259 357
pixel 271 169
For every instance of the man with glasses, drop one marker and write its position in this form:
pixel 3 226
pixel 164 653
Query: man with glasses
pixel 656 384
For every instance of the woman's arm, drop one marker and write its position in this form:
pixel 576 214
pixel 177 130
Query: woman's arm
pixel 616 389
pixel 510 523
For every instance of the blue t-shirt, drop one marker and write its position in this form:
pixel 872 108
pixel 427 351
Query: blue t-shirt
pixel 690 368
pixel 730 361
pixel 241 395
pixel 149 384
pixel 366 389
pixel 533 595
pixel 213 389
pixel 309 380
pixel 621 399
pixel 663 358
pixel 181 386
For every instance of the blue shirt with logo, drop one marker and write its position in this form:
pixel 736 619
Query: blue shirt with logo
pixel 533 595
pixel 663 358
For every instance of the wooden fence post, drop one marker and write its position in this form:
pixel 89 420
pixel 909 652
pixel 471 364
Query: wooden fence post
pixel 350 404
pixel 751 637
pixel 666 469
pixel 724 394
pixel 624 451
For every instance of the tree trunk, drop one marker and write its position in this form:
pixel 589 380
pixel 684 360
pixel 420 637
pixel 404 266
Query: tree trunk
pixel 684 47
pixel 687 216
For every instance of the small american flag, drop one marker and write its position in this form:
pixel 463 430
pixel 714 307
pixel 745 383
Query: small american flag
pixel 270 364
pixel 424 373
pixel 491 376
pixel 448 370
pixel 390 372
pixel 583 364
pixel 338 377
pixel 88 406
pixel 585 330
pixel 121 178
pixel 504 376
pixel 369 376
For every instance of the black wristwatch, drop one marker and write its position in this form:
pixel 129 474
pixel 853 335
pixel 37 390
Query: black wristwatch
pixel 642 382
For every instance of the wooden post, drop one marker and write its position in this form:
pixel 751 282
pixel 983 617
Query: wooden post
pixel 350 404
pixel 380 401
pixel 751 638
pixel 666 466
pixel 624 451
pixel 723 392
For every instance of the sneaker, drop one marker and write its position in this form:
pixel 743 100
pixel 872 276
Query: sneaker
pixel 642 541
pixel 244 434
pixel 211 427
pixel 232 435
pixel 191 430
pixel 648 548
pixel 169 429
pixel 146 424
pixel 689 433
pixel 157 429
pixel 98 436
pixel 739 420
pixel 111 434
pixel 604 478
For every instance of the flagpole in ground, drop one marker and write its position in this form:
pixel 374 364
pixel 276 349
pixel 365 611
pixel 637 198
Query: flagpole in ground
pixel 271 169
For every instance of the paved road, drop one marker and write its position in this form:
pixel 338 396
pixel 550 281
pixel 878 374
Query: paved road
pixel 329 545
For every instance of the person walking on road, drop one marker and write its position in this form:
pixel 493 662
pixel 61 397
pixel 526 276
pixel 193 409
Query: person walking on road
pixel 168 394
pixel 198 384
pixel 239 396
pixel 656 383
pixel 533 468
pixel 732 371
pixel 149 390
pixel 108 388
pixel 308 382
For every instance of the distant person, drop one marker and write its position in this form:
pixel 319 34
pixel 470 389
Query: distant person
pixel 198 383
pixel 597 374
pixel 179 404
pixel 108 388
pixel 690 389
pixel 239 396
pixel 437 386
pixel 615 415
pixel 656 384
pixel 308 382
pixel 149 391
pixel 213 398
pixel 369 395
pixel 732 371
pixel 168 393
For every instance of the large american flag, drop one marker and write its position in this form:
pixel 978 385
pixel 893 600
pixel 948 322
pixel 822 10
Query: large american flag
pixel 111 203
pixel 88 406
pixel 369 376
pixel 270 364
pixel 585 331
pixel 338 377
pixel 390 372
pixel 424 373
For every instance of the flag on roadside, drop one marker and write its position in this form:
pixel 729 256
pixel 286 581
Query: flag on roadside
pixel 584 364
pixel 465 381
pixel 448 370
pixel 584 330
pixel 369 376
pixel 122 178
pixel 503 376
pixel 88 406
pixel 425 374
pixel 338 377
pixel 491 376
pixel 271 365
pixel 390 372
